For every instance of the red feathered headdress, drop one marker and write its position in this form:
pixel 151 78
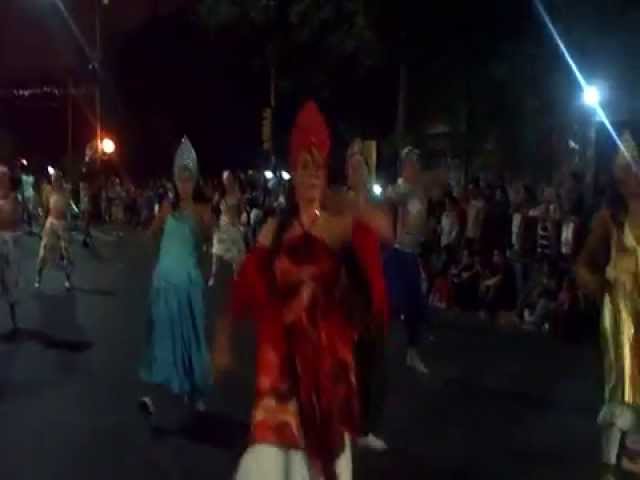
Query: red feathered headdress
pixel 309 131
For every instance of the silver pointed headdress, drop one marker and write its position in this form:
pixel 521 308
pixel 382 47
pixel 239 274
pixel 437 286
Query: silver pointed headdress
pixel 185 159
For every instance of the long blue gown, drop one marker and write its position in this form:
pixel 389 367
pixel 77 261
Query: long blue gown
pixel 177 354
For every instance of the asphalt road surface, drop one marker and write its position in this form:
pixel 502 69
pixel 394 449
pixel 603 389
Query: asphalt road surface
pixel 496 405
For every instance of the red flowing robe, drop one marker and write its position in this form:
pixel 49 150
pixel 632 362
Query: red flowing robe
pixel 306 393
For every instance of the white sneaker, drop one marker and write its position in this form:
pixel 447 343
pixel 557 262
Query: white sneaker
pixel 371 442
pixel 211 281
pixel 67 285
pixel 146 405
pixel 414 361
pixel 37 284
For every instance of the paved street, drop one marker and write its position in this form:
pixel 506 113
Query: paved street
pixel 497 405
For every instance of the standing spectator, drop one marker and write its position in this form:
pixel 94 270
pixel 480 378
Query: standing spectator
pixel 476 212
pixel 548 215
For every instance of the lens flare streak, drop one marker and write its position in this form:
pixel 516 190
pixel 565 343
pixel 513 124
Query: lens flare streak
pixel 76 32
pixel 583 83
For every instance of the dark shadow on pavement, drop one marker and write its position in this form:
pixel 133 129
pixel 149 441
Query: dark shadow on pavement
pixel 58 314
pixel 99 292
pixel 218 431
pixel 95 254
pixel 25 335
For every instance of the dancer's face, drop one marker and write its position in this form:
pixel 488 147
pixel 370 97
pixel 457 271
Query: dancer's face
pixel 357 174
pixel 185 183
pixel 229 181
pixel 310 176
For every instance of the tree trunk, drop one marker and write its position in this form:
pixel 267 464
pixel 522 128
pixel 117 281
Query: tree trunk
pixel 402 106
pixel 69 166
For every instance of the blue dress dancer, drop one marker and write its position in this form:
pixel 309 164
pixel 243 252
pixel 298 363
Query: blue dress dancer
pixel 177 356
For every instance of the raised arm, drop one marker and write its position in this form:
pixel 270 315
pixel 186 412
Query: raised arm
pixel 378 218
pixel 248 294
pixel 158 223
pixel 349 210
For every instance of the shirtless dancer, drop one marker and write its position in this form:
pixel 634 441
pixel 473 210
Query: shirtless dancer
pixel 55 236
pixel 9 219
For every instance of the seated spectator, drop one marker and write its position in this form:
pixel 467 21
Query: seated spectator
pixel 498 290
pixel 540 305
pixel 476 212
pixel 464 279
pixel 565 321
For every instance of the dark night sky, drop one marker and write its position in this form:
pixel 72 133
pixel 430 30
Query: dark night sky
pixel 166 76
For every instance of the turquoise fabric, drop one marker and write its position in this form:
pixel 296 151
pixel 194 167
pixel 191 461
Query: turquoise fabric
pixel 177 354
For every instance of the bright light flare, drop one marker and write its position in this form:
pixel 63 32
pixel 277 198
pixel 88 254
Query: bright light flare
pixel 591 96
pixel 24 162
pixel 583 83
pixel 285 175
pixel 108 146
pixel 268 174
pixel 377 189
pixel 51 170
pixel 76 31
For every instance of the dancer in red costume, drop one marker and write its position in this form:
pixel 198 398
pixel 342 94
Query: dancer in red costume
pixel 306 405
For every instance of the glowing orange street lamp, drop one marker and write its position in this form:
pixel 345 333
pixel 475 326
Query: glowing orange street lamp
pixel 108 146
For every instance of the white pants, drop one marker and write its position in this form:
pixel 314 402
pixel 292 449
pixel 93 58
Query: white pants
pixel 269 462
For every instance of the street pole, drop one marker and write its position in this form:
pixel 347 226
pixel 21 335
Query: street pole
pixel 70 118
pixel 591 162
pixel 97 62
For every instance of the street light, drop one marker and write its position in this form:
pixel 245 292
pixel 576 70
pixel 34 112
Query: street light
pixel 285 175
pixel 108 146
pixel 268 174
pixel 24 162
pixel 51 170
pixel 591 96
pixel 377 189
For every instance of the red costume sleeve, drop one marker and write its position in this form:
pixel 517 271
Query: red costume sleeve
pixel 250 292
pixel 366 245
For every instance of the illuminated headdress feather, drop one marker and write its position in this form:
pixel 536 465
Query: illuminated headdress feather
pixel 185 158
pixel 310 131
pixel 628 154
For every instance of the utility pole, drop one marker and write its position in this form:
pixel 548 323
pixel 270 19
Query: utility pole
pixel 70 117
pixel 97 66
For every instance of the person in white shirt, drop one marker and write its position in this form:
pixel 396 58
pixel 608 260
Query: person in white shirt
pixel 28 199
pixel 476 212
pixel 402 264
pixel 449 223
pixel 55 236
pixel 9 218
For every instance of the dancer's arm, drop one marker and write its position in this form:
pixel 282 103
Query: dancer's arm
pixel 158 223
pixel 348 210
pixel 592 263
pixel 248 294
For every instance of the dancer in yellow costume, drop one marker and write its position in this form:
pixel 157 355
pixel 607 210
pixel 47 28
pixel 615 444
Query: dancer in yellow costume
pixel 609 268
